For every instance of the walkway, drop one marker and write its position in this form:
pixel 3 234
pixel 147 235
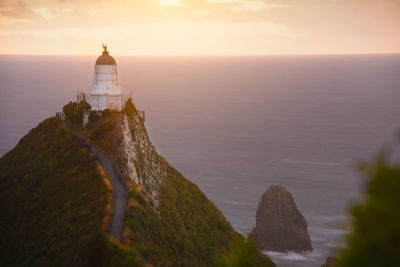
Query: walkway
pixel 120 191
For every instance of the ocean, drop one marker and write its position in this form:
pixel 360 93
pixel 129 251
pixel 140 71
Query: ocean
pixel 237 125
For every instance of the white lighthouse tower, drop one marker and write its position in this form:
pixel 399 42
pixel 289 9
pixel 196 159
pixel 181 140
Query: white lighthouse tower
pixel 105 92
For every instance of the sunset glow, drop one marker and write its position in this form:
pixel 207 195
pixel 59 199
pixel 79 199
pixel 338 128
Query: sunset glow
pixel 170 2
pixel 200 27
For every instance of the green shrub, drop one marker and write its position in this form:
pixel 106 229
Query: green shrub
pixel 129 108
pixel 74 112
pixel 106 113
pixel 83 106
pixel 70 111
pixel 93 117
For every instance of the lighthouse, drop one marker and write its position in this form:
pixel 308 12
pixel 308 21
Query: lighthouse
pixel 105 92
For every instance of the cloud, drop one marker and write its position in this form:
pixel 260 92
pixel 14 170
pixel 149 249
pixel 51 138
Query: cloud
pixel 44 12
pixel 17 9
pixel 243 26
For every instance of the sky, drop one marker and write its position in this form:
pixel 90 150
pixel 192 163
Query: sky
pixel 199 27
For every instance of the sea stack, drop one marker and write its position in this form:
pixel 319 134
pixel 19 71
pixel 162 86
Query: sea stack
pixel 279 224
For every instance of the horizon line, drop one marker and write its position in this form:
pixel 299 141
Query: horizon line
pixel 213 55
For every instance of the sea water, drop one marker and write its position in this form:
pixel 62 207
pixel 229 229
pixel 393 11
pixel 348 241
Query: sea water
pixel 237 125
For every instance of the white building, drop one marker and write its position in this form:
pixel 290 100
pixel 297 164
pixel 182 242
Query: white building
pixel 105 92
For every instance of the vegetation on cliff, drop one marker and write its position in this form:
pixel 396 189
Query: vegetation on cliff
pixel 55 204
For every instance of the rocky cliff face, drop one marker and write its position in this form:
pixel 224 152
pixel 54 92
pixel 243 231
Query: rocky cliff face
pixel 139 160
pixel 123 137
pixel 279 224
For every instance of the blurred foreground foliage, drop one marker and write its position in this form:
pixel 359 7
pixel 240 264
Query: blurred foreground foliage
pixel 375 237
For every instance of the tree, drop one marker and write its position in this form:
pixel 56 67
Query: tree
pixel 93 117
pixel 74 111
pixel 129 107
pixel 70 111
pixel 83 106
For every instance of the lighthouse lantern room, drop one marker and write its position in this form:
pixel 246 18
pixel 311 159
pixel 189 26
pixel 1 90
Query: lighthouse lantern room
pixel 105 92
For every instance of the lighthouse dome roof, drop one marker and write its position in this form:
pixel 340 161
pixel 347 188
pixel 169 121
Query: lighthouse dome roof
pixel 105 58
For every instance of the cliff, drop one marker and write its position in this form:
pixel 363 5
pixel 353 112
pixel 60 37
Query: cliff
pixel 279 224
pixel 168 220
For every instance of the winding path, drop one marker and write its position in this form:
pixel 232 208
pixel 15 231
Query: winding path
pixel 120 192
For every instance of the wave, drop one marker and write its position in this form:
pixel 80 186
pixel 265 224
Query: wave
pixel 327 231
pixel 291 255
pixel 237 203
pixel 320 163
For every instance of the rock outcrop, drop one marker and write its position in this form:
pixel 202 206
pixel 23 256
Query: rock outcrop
pixel 140 160
pixel 279 224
